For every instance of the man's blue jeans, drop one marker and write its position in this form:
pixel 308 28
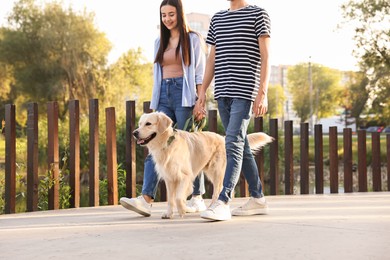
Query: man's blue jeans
pixel 235 115
pixel 170 103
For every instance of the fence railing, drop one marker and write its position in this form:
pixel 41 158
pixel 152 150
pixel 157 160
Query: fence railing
pixel 130 161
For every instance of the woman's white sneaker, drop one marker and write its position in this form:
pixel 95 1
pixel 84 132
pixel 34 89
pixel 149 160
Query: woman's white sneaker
pixel 254 206
pixel 219 210
pixel 195 204
pixel 138 205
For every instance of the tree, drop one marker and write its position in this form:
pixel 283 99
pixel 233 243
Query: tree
pixel 130 78
pixel 276 99
pixel 371 20
pixel 56 54
pixel 6 82
pixel 325 92
pixel 355 95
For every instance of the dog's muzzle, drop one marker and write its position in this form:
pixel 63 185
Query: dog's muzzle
pixel 143 141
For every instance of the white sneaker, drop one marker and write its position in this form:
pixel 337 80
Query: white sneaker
pixel 219 210
pixel 195 204
pixel 254 206
pixel 138 205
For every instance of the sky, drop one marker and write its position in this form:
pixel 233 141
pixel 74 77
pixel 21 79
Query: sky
pixel 301 30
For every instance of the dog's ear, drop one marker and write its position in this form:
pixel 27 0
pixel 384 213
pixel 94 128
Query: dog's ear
pixel 164 122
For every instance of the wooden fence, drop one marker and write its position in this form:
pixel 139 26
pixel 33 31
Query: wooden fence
pixel 130 163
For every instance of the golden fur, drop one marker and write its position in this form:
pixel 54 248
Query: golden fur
pixel 180 156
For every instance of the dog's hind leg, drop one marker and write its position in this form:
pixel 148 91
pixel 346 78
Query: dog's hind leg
pixel 216 177
pixel 171 198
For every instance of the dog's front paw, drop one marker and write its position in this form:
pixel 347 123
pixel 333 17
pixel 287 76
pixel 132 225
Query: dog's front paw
pixel 167 215
pixel 182 213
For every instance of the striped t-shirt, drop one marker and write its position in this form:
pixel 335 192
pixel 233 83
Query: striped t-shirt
pixel 237 59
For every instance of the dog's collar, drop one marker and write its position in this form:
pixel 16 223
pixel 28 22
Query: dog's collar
pixel 171 138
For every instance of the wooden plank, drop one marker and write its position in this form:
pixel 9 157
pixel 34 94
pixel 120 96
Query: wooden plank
pixel 112 174
pixel 131 171
pixel 10 159
pixel 388 161
pixel 347 141
pixel 362 161
pixel 304 160
pixel 53 154
pixel 333 160
pixel 376 162
pixel 319 159
pixel 288 157
pixel 32 157
pixel 274 157
pixel 212 127
pixel 259 157
pixel 93 152
pixel 74 153
pixel 213 121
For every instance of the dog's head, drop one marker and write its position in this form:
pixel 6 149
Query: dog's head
pixel 151 126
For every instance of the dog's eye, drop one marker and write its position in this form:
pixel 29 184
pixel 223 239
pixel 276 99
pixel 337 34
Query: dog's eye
pixel 148 123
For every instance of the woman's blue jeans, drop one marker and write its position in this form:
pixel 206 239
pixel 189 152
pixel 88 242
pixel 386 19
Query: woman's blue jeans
pixel 235 116
pixel 170 103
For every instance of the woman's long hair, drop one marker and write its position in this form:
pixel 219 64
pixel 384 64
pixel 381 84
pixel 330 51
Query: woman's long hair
pixel 184 30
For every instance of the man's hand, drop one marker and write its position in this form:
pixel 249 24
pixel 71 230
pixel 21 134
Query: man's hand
pixel 260 106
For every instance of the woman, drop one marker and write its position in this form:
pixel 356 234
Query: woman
pixel 178 72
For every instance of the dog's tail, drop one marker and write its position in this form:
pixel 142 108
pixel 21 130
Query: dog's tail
pixel 258 140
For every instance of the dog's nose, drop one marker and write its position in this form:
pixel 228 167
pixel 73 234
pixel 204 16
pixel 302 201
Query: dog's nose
pixel 135 134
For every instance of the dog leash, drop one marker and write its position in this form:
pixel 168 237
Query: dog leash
pixel 197 126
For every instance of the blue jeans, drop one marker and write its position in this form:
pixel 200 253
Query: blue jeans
pixel 235 116
pixel 170 103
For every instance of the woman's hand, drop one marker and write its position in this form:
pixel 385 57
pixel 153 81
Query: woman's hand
pixel 199 111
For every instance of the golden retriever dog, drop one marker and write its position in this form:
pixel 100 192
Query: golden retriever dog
pixel 180 156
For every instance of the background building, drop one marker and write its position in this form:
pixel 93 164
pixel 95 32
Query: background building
pixel 199 23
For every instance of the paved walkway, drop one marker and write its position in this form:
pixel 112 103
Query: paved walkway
pixel 340 226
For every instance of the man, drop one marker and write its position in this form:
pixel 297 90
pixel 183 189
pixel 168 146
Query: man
pixel 239 61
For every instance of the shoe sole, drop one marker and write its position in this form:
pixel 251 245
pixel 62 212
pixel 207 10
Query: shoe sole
pixel 214 218
pixel 251 212
pixel 132 208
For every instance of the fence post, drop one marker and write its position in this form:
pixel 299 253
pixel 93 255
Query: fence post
pixel 212 127
pixel 362 160
pixel 376 162
pixel 74 154
pixel 274 159
pixel 347 141
pixel 288 157
pixel 112 175
pixel 10 159
pixel 304 158
pixel 333 160
pixel 32 157
pixel 319 159
pixel 131 171
pixel 258 127
pixel 53 153
pixel 93 152
pixel 388 161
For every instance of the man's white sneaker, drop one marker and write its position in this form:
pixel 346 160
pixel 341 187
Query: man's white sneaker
pixel 195 204
pixel 254 206
pixel 138 205
pixel 219 210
